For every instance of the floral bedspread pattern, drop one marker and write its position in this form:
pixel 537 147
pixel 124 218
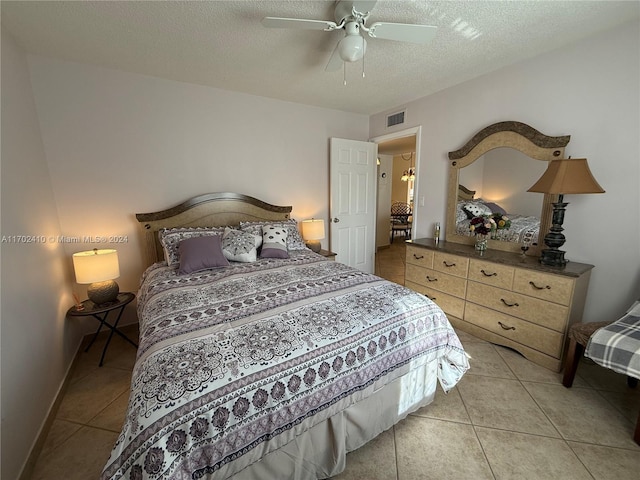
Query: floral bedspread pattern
pixel 523 229
pixel 233 357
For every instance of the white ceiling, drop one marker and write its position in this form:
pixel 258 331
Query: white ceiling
pixel 223 44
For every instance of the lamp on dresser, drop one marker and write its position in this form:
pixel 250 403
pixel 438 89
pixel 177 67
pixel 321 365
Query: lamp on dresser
pixel 313 232
pixel 564 176
pixel 98 268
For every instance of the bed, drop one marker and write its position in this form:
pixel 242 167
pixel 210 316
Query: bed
pixel 273 367
pixel 523 229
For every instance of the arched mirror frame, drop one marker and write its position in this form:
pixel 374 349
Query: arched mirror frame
pixel 510 134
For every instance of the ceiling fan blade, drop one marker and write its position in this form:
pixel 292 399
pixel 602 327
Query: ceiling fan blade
pixel 277 22
pixel 335 62
pixel 403 32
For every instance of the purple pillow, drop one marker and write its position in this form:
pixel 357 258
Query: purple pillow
pixel 495 208
pixel 200 253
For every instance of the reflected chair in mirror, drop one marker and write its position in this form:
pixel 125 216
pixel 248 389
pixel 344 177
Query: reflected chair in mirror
pixel 400 219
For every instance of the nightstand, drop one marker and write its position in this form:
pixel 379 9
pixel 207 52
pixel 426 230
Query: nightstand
pixel 328 254
pixel 100 313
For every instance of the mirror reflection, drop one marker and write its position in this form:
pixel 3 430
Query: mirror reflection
pixel 490 175
pixel 500 179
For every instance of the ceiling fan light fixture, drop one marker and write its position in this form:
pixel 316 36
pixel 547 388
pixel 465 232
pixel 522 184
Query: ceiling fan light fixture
pixel 352 48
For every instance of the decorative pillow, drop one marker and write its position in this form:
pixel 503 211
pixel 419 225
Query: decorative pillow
pixel 294 239
pixel 274 242
pixel 495 208
pixel 476 209
pixel 201 253
pixel 239 246
pixel 461 215
pixel 170 238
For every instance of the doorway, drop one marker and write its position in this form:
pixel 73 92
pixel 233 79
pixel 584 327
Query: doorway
pixel 398 155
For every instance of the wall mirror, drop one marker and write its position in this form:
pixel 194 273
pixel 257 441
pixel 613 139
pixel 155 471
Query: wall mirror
pixel 492 172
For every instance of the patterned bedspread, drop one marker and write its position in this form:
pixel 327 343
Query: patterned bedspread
pixel 523 229
pixel 233 361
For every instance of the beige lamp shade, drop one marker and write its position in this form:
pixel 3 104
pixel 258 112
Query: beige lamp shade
pixel 568 175
pixel 96 265
pixel 313 229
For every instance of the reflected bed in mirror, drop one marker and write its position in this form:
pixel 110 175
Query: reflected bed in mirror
pixel 491 174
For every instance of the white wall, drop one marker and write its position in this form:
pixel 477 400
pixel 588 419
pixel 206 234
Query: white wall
pixel 119 144
pixel 383 218
pixel 588 90
pixel 37 343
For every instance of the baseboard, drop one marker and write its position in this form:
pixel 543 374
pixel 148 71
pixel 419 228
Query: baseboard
pixel 36 450
pixel 30 463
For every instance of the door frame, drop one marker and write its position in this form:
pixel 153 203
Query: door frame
pixel 418 200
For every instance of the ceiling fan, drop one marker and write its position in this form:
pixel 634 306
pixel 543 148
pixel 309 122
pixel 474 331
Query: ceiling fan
pixel 350 17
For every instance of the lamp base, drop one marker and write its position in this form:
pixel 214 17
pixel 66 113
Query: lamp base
pixel 553 257
pixel 103 292
pixel 314 245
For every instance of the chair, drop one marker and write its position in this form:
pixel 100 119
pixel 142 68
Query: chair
pixel 579 335
pixel 400 213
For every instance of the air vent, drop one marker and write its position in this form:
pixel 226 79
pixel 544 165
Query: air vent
pixel 395 119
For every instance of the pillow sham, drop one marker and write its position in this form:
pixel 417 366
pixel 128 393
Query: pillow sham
pixel 274 242
pixel 239 246
pixel 201 253
pixel 476 209
pixel 170 238
pixel 294 239
pixel 495 208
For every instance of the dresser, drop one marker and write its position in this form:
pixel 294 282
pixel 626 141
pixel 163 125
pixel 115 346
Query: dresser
pixel 502 297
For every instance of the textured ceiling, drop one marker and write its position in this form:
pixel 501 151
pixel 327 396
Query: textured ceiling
pixel 223 44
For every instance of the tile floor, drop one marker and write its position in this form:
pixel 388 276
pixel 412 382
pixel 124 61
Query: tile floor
pixel 507 419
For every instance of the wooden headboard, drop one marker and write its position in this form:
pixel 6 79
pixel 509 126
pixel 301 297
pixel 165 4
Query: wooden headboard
pixel 208 210
pixel 464 193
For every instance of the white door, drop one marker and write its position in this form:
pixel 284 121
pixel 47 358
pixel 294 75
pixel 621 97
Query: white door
pixel 352 206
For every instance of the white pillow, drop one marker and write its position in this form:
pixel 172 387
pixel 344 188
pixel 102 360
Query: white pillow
pixel 274 241
pixel 476 209
pixel 294 239
pixel 239 246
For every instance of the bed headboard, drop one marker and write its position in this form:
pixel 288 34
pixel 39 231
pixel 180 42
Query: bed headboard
pixel 464 193
pixel 208 210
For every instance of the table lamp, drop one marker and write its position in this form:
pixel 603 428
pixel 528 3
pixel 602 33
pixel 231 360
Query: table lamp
pixel 313 232
pixel 98 268
pixel 564 176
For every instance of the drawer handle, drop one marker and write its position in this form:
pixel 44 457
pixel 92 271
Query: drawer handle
pixel 418 257
pixel 505 327
pixel 514 304
pixel 430 298
pixel 448 264
pixel 539 288
pixel 429 279
pixel 494 274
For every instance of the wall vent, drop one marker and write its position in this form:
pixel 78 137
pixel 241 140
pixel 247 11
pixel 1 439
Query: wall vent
pixel 395 119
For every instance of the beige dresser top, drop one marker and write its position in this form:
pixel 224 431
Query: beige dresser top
pixel 571 269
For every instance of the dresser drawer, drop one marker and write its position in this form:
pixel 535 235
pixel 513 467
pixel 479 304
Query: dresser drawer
pixel 451 264
pixel 553 288
pixel 419 256
pixel 521 331
pixel 540 312
pixel 439 281
pixel 449 304
pixel 491 273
